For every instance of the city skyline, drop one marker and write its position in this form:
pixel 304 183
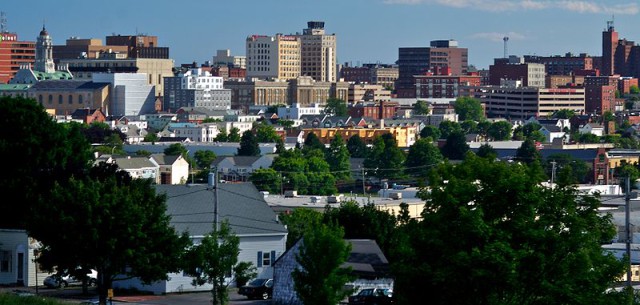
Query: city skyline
pixel 368 31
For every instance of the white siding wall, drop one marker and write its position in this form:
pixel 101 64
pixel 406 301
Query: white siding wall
pixel 249 247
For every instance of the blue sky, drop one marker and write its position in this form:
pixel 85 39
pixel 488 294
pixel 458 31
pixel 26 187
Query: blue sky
pixel 367 30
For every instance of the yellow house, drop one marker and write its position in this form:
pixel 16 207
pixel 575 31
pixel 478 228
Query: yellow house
pixel 405 135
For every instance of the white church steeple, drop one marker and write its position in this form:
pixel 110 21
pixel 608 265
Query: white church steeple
pixel 44 53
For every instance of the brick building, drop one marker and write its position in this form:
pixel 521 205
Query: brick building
pixel 14 52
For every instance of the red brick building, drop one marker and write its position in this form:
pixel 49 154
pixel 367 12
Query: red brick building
pixel 600 93
pixel 381 110
pixel 13 53
pixel 445 86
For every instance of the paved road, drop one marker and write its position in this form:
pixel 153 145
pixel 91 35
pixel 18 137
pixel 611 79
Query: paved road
pixel 74 295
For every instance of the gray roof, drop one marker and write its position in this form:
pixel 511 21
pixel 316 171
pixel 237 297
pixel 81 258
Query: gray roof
pixel 552 128
pixel 191 208
pixel 239 160
pixel 67 85
pixel 129 162
pixel 163 159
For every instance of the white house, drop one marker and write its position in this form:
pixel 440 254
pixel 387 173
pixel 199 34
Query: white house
pixel 198 133
pixel 552 132
pixel 17 254
pixel 294 112
pixel 592 128
pixel 173 169
pixel 139 167
pixel 239 168
pixel 191 207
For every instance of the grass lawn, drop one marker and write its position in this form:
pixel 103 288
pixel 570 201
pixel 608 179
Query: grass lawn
pixel 13 299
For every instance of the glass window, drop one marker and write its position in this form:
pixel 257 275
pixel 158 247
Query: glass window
pixel 70 99
pixel 5 261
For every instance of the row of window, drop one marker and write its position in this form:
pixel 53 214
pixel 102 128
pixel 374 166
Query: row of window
pixel 60 99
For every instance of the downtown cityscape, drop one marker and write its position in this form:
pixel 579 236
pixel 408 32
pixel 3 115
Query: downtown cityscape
pixel 365 152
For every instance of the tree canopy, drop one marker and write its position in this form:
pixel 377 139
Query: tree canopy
pixel 422 157
pixel 210 261
pixel 456 146
pixel 337 155
pixel 248 145
pixel 39 152
pixel 109 222
pixel 385 159
pixel 321 278
pixel 356 146
pixel 336 107
pixel 516 242
pixel 469 108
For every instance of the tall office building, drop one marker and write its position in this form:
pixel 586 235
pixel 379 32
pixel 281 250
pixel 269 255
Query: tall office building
pixel 318 53
pixel 273 57
pixel 441 55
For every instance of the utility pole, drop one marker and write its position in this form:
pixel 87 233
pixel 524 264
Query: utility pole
pixel 553 172
pixel 364 189
pixel 213 184
pixel 627 226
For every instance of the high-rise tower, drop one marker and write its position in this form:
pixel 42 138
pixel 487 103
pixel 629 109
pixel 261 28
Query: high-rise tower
pixel 609 45
pixel 318 53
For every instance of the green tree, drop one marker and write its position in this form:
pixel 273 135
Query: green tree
pixel 142 152
pixel 356 146
pixel 244 271
pixel 448 127
pixel 513 237
pixel 468 108
pixel 487 151
pixel 266 179
pixel 337 155
pixel 313 142
pixel 248 145
pixel 564 114
pixel 527 152
pixel 336 107
pixel 234 135
pixel 456 146
pixel 178 149
pixel 421 108
pixel 634 89
pixel 321 278
pixel 151 137
pixel 363 222
pixel 500 131
pixel 98 132
pixel 266 133
pixel 222 136
pixel 40 151
pixel 204 158
pixel 422 157
pixel 483 128
pixel 298 222
pixel 430 131
pixel 385 159
pixel 577 170
pixel 212 259
pixel 469 126
pixel 109 222
pixel 211 120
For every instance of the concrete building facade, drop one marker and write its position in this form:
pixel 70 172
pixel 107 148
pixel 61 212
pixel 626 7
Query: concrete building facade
pixel 130 93
pixel 318 53
pixel 196 88
pixel 516 69
pixel 273 57
pixel 155 68
pixel 516 102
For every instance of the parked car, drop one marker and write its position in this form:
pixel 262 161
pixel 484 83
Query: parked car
pixel 257 289
pixel 65 278
pixel 371 296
